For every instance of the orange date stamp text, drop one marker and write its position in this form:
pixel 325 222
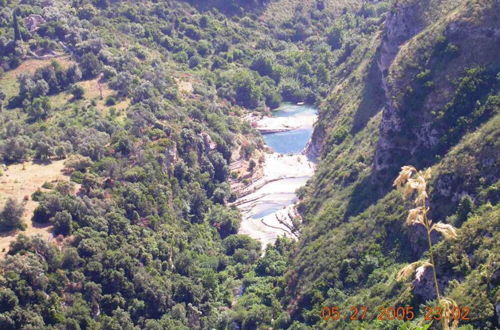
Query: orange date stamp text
pixel 403 313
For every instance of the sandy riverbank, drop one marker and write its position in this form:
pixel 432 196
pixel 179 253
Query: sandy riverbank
pixel 267 203
pixel 267 124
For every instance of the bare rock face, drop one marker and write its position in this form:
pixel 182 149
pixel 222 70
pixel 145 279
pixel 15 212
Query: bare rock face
pixel 170 157
pixel 207 141
pixel 417 83
pixel 33 22
pixel 314 146
pixel 401 25
pixel 423 285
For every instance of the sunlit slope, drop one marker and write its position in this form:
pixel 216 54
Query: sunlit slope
pixel 425 87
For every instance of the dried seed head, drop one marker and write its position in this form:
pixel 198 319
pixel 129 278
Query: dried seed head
pixel 448 321
pixel 447 230
pixel 421 197
pixel 409 269
pixel 411 184
pixel 405 173
pixel 420 271
pixel 415 216
pixel 427 174
pixel 421 186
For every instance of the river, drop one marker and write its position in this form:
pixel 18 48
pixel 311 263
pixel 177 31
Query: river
pixel 268 206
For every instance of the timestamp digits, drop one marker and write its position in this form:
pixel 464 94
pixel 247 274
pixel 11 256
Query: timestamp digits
pixel 402 313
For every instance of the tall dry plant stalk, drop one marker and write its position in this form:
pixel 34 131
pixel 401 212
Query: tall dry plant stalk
pixel 413 185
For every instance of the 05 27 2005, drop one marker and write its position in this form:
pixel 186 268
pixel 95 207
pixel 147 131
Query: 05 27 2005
pixel 403 313
pixel 358 313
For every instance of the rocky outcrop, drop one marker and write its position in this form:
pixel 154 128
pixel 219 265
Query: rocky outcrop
pixel 208 143
pixel 401 25
pixel 315 144
pixel 418 81
pixel 33 22
pixel 171 156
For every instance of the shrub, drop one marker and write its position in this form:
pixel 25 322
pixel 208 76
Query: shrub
pixel 73 74
pixel 39 108
pixel 110 100
pixel 77 92
pixel 78 162
pixel 251 165
pixel 181 57
pixel 203 48
pixel 15 149
pixel 194 61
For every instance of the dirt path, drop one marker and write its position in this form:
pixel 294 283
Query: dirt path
pixel 20 180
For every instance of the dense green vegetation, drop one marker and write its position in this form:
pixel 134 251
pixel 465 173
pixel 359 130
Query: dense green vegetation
pixel 440 112
pixel 144 101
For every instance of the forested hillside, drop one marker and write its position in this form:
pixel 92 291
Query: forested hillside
pixel 143 103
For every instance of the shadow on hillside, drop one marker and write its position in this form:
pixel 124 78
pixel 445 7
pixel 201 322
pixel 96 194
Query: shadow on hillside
pixel 230 7
pixel 373 97
pixel 42 161
pixel 5 232
pixel 366 193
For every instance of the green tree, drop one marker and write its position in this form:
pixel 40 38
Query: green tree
pixel 17 31
pixel 91 66
pixel 335 37
pixel 15 149
pixel 8 300
pixel 11 216
pixel 227 221
pixel 2 98
pixel 464 209
pixel 248 94
pixel 43 146
pixel 62 223
pixel 39 108
pixel 264 64
pixel 322 74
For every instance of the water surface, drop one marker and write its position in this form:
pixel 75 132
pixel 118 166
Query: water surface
pixel 265 209
pixel 294 141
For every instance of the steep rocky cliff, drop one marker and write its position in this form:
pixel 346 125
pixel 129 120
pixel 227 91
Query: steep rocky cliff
pixel 423 56
pixel 425 93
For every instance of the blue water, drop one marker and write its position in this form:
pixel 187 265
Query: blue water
pixel 290 142
pixel 267 211
pixel 288 110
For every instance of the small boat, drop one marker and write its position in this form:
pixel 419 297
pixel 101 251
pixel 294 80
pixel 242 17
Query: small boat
pixel 300 103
